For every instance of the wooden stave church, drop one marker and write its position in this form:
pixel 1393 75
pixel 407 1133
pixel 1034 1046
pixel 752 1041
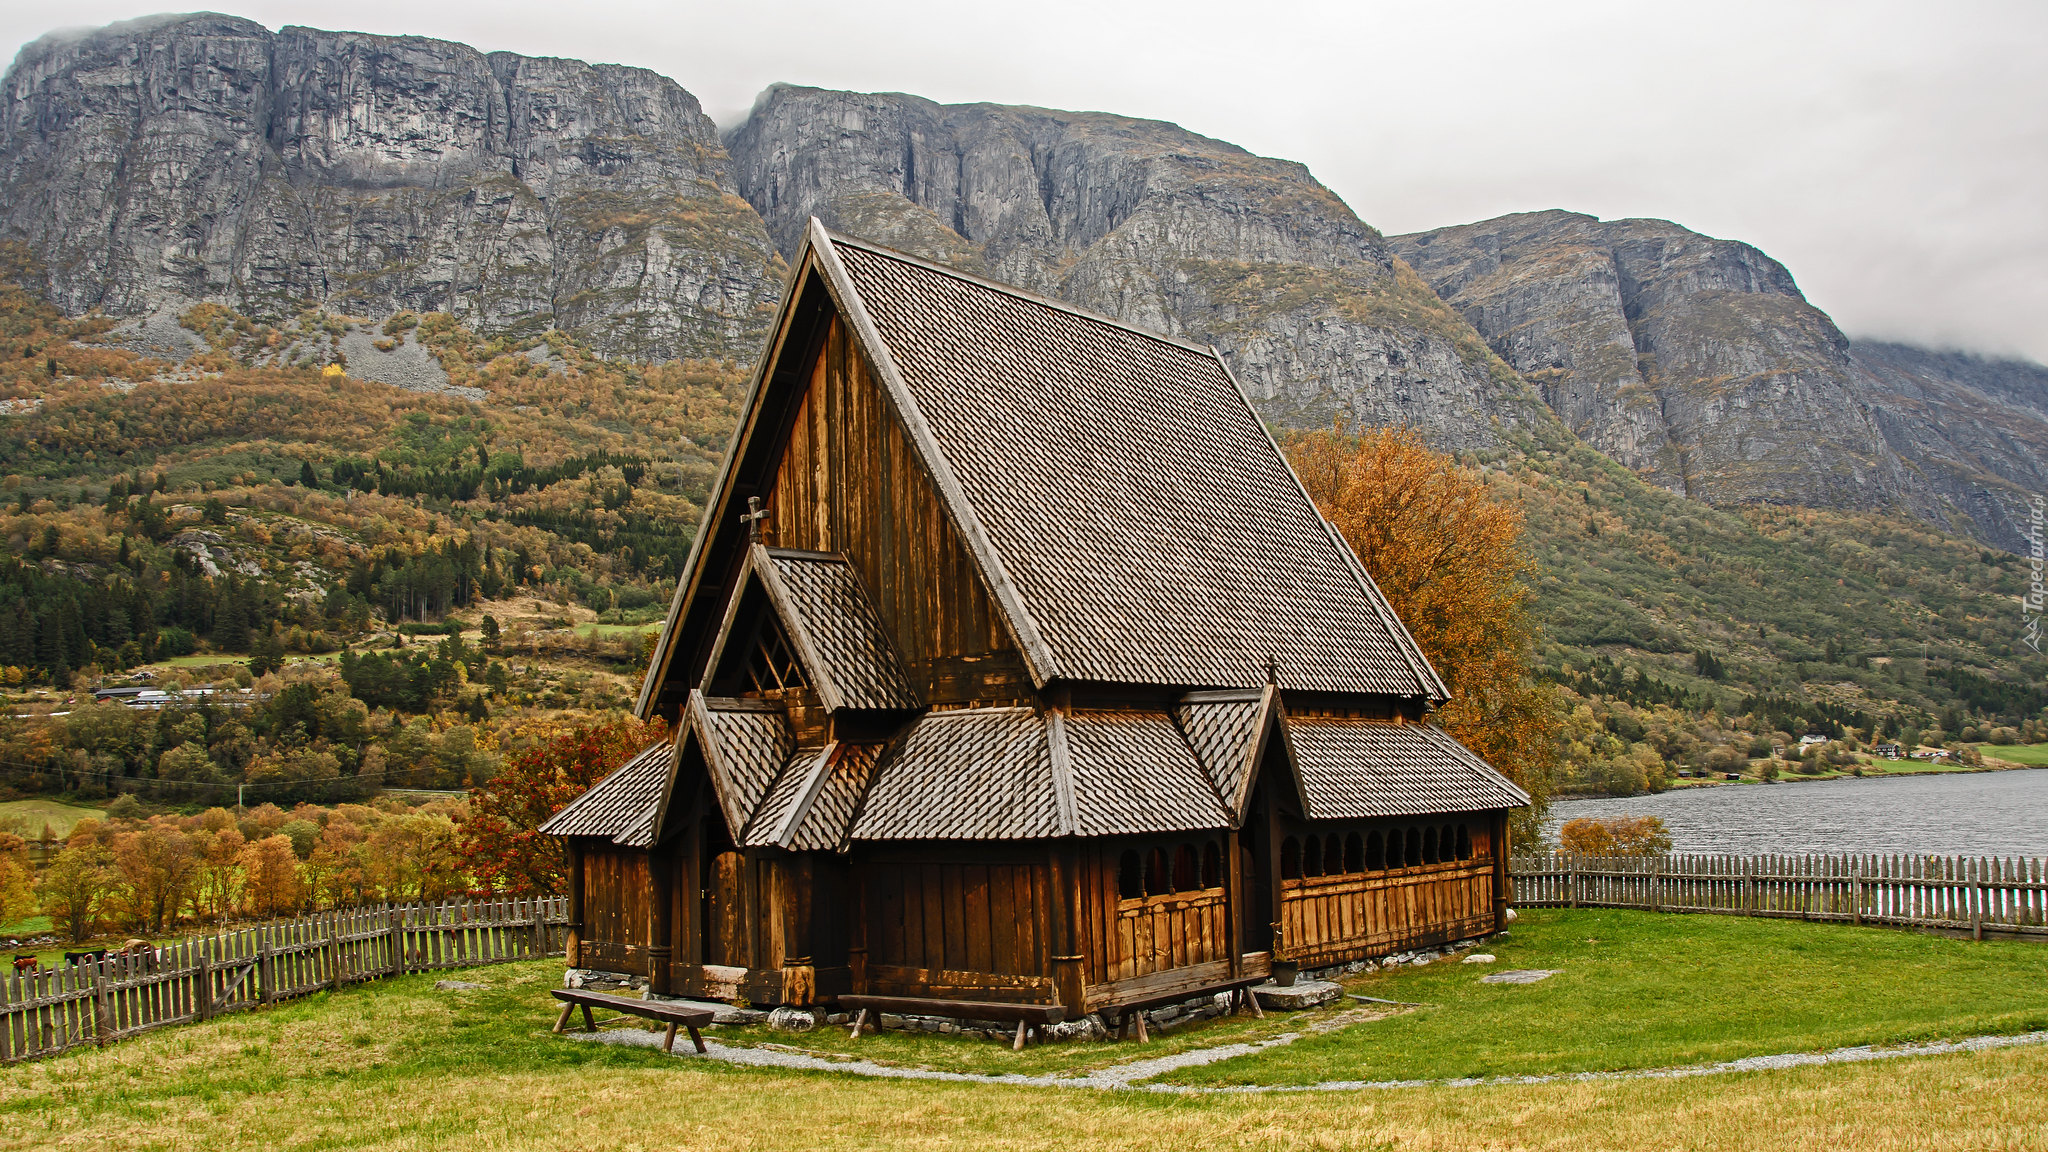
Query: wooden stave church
pixel 1012 663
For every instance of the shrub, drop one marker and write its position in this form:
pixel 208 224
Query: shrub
pixel 1615 836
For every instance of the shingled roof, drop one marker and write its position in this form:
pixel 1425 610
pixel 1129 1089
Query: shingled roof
pixel 620 806
pixel 1352 769
pixel 1128 511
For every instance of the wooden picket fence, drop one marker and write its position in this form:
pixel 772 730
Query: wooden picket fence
pixel 2001 895
pixel 43 1013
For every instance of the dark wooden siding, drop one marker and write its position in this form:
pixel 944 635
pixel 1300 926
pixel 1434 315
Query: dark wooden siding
pixel 1352 913
pixel 940 925
pixel 850 482
pixel 615 888
pixel 1127 937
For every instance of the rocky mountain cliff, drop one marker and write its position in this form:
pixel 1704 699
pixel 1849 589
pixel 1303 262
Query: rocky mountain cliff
pixel 176 159
pixel 1698 362
pixel 1150 223
pixel 181 158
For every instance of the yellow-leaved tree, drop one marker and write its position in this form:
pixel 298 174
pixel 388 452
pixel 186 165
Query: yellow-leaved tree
pixel 1447 551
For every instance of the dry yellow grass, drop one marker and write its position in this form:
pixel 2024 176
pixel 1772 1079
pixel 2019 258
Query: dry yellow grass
pixel 398 1066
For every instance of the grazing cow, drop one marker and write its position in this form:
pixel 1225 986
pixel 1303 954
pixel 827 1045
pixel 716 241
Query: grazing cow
pixel 93 957
pixel 140 953
pixel 26 964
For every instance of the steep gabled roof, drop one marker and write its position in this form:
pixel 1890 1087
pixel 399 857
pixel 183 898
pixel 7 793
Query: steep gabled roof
pixel 1129 514
pixel 838 635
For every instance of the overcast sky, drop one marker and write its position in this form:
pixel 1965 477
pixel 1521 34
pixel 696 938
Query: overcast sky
pixel 1891 155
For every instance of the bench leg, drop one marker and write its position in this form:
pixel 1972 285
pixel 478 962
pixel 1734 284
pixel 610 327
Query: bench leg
pixel 668 1039
pixel 1142 1037
pixel 562 1021
pixel 589 1021
pixel 860 1021
pixel 697 1039
pixel 1017 1045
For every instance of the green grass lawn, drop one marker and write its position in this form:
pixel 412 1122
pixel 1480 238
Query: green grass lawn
pixel 1643 990
pixel 27 817
pixel 398 1065
pixel 2031 754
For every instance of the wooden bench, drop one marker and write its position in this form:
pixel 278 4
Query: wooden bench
pixel 1027 1016
pixel 674 1015
pixel 1133 1011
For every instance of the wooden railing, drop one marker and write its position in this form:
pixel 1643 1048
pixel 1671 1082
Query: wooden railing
pixel 45 1012
pixel 1955 893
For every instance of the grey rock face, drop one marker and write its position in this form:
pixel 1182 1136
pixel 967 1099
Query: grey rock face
pixel 1695 361
pixel 1974 432
pixel 176 159
pixel 1150 223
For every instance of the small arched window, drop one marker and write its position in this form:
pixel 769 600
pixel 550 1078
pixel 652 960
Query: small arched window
pixel 1429 855
pixel 1412 854
pixel 1333 855
pixel 1186 878
pixel 1354 853
pixel 1212 866
pixel 1130 876
pixel 1290 859
pixel 1464 842
pixel 1312 856
pixel 1158 873
pixel 1447 842
pixel 1375 852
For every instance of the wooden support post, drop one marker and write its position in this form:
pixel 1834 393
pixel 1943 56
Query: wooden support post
pixel 1142 1037
pixel 860 1021
pixel 589 1021
pixel 660 899
pixel 1233 897
pixel 1502 893
pixel 1017 1045
pixel 333 950
pixel 1068 975
pixel 1856 891
pixel 1572 879
pixel 573 947
pixel 668 1039
pixel 562 1021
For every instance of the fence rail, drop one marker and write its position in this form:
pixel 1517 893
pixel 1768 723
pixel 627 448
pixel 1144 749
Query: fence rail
pixel 46 1012
pixel 2006 895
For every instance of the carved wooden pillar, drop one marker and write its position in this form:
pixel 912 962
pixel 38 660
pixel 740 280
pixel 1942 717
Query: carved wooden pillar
pixel 1069 978
pixel 1233 897
pixel 661 873
pixel 573 949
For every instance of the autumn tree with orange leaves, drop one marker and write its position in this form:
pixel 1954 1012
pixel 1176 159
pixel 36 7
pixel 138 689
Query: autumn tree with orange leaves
pixel 1448 553
pixel 501 841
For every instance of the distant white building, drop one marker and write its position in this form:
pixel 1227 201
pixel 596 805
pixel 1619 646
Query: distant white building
pixel 1806 742
pixel 1889 752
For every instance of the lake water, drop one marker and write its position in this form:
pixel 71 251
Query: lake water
pixel 1972 814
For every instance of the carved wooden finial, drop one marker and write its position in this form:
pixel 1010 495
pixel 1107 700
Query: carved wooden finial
pixel 1272 670
pixel 752 518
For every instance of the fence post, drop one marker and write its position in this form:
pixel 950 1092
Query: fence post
pixel 397 931
pixel 102 1010
pixel 202 987
pixel 1975 894
pixel 1657 884
pixel 1572 878
pixel 333 951
pixel 266 967
pixel 1856 890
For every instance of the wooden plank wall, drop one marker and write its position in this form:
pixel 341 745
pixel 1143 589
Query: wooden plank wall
pixel 947 927
pixel 1332 919
pixel 45 1012
pixel 615 911
pixel 1126 938
pixel 850 482
pixel 1952 893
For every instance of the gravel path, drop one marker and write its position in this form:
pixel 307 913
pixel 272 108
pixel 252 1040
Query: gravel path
pixel 1127 1075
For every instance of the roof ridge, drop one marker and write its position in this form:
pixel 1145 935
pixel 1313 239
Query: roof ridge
pixel 1012 290
pixel 1061 759
pixel 821 769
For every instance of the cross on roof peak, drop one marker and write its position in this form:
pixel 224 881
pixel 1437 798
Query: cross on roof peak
pixel 752 518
